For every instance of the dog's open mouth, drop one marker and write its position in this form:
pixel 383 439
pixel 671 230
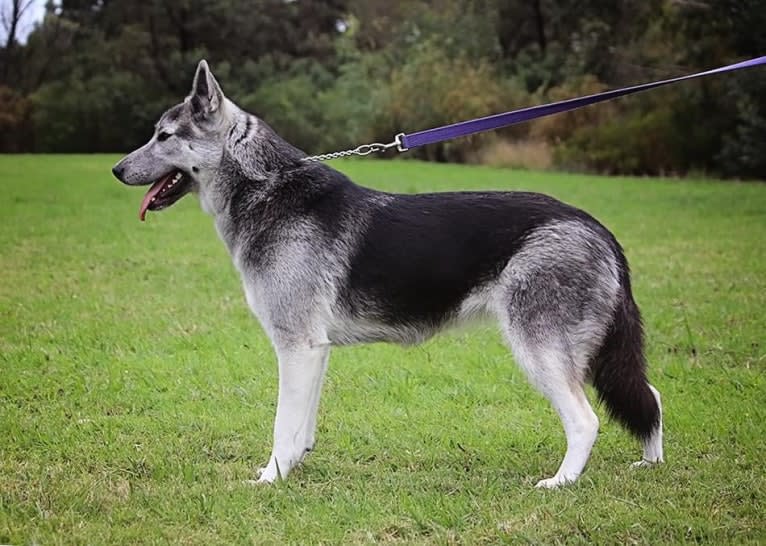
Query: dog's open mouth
pixel 166 191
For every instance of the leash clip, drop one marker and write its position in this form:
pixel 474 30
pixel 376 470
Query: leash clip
pixel 364 149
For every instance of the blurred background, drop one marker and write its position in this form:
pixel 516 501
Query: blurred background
pixel 94 75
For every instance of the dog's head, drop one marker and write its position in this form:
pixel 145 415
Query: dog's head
pixel 186 148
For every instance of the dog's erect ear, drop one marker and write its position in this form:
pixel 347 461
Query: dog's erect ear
pixel 206 95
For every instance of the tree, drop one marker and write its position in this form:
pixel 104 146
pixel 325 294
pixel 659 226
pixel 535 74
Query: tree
pixel 95 74
pixel 10 18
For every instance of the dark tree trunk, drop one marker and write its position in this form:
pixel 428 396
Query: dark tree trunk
pixel 540 24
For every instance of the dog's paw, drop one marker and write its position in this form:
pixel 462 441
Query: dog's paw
pixel 264 477
pixel 268 474
pixel 643 463
pixel 554 482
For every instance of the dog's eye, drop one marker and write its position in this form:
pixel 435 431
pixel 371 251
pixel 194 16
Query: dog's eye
pixel 164 135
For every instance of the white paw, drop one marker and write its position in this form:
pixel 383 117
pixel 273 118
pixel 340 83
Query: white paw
pixel 554 482
pixel 263 478
pixel 643 463
pixel 268 474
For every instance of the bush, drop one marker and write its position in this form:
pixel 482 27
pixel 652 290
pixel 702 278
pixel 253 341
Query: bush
pixel 431 90
pixel 15 111
pixel 743 153
pixel 637 144
pixel 101 114
pixel 555 129
pixel 528 154
pixel 354 103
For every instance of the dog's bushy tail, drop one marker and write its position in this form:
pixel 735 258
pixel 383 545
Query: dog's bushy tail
pixel 619 368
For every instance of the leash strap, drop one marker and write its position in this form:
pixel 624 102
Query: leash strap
pixel 403 142
pixel 465 128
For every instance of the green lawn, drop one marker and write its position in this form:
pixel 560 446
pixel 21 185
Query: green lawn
pixel 137 393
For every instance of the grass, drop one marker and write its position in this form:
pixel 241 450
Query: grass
pixel 137 393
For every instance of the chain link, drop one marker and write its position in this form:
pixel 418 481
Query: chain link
pixel 364 149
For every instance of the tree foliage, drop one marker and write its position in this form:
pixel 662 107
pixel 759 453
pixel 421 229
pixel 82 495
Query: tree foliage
pixel 95 74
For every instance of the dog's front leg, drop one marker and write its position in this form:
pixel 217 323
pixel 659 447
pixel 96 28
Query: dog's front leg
pixel 301 371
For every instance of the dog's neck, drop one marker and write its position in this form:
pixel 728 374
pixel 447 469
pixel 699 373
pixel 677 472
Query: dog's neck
pixel 253 157
pixel 257 166
pixel 258 149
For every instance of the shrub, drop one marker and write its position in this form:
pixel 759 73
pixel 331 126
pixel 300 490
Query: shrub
pixel 515 154
pixel 558 128
pixel 104 113
pixel 15 111
pixel 354 102
pixel 638 143
pixel 743 153
pixel 431 90
pixel 288 102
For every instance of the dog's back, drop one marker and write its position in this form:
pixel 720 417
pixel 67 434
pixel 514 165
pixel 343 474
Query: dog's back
pixel 422 255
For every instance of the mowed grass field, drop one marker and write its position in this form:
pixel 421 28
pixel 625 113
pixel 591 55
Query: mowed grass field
pixel 137 393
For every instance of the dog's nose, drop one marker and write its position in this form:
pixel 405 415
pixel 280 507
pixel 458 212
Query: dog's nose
pixel 117 171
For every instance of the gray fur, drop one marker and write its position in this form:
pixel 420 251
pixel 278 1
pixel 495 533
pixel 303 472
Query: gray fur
pixel 297 233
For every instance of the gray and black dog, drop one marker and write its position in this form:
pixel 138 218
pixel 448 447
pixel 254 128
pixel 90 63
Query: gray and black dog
pixel 327 262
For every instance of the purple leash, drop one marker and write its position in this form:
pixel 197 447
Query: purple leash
pixel 403 142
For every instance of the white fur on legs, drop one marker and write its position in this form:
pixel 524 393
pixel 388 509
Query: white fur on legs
pixel 311 424
pixel 553 371
pixel 581 428
pixel 300 382
pixel 653 443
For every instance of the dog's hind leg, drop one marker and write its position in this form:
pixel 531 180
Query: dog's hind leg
pixel 653 442
pixel 551 369
pixel 581 429
pixel 301 372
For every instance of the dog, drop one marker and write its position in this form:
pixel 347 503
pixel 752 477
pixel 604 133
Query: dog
pixel 326 262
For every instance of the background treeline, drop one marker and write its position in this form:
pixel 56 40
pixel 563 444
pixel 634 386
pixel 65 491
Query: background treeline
pixel 95 74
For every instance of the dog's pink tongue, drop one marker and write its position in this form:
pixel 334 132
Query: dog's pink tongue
pixel 154 190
